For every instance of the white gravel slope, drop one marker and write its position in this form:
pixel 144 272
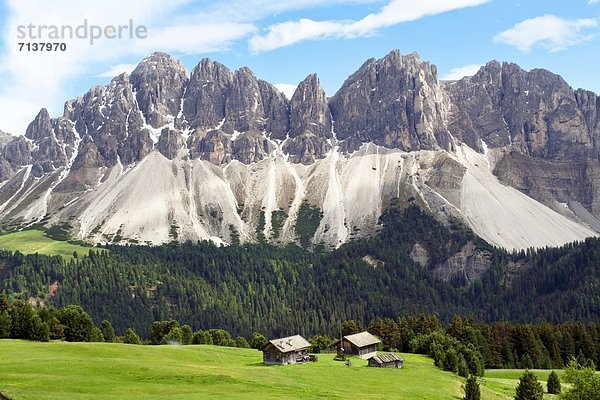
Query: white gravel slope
pixel 506 217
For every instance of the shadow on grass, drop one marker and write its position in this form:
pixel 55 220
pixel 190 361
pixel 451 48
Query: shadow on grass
pixel 254 364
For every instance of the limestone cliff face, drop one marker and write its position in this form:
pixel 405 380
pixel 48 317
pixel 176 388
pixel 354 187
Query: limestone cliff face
pixel 548 133
pixel 394 102
pixel 535 113
pixel 222 153
pixel 159 82
pixel 310 122
pixel 234 103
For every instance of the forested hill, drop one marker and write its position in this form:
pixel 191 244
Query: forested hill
pixel 414 265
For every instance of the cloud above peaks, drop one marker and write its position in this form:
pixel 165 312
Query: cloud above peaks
pixel 460 72
pixel 116 70
pixel 395 12
pixel 549 31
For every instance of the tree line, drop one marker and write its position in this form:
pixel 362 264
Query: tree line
pixel 246 288
pixel 462 346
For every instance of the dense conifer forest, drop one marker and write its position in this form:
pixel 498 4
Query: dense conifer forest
pixel 246 288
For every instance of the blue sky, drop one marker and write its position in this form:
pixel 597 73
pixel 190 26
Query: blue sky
pixel 283 41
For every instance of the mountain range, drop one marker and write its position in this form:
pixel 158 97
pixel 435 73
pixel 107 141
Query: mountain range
pixel 163 154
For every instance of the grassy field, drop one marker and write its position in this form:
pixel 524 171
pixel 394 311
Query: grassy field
pixel 504 381
pixel 59 370
pixel 35 241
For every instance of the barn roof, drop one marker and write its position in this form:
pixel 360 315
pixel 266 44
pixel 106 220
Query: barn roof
pixel 362 339
pixel 386 358
pixel 290 343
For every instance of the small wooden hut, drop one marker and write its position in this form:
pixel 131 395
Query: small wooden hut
pixel 361 344
pixel 388 360
pixel 287 350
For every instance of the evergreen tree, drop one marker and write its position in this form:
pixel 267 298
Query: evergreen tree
pixel 187 334
pixel 108 332
pixel 21 316
pixel 39 330
pixel 159 329
pixel 526 362
pixel 472 389
pixel 351 327
pixel 529 388
pixel 96 335
pixel 321 343
pixel 5 325
pixel 553 383
pixel 50 316
pixel 258 340
pixel 450 360
pixel 131 337
pixel 462 368
pixel 201 337
pixel 241 342
pixel 585 383
pixel 175 336
pixel 78 324
pixel 3 302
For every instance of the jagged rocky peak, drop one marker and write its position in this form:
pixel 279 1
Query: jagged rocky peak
pixel 254 105
pixel 54 140
pixel 276 108
pixel 228 102
pixel 40 127
pixel 309 111
pixel 534 112
pixel 159 82
pixel 17 152
pixel 395 102
pixel 111 116
pixel 244 108
pixel 310 122
pixel 5 137
pixel 206 95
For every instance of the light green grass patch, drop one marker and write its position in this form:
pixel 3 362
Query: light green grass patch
pixel 35 241
pixel 503 382
pixel 61 370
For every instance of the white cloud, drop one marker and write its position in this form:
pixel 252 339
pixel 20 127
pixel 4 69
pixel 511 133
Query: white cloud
pixel 287 89
pixel 460 72
pixel 594 1
pixel 32 80
pixel 395 12
pixel 253 10
pixel 29 81
pixel 117 70
pixel 549 31
pixel 196 39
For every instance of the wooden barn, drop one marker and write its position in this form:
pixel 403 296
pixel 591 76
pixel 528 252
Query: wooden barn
pixel 361 344
pixel 287 350
pixel 388 360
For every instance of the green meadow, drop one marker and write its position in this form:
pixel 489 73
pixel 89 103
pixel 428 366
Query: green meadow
pixel 503 382
pixel 35 241
pixel 60 370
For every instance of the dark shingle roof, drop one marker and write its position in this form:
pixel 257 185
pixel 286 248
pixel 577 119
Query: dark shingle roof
pixel 362 339
pixel 386 358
